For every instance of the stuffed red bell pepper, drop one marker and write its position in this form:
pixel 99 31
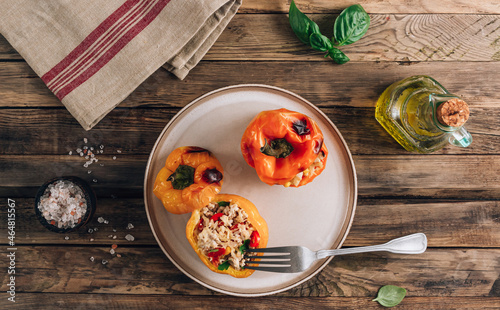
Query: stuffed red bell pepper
pixel 284 147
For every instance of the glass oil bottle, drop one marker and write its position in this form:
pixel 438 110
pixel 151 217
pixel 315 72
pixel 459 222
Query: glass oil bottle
pixel 422 116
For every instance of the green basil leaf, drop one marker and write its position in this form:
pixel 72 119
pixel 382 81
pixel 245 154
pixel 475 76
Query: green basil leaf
pixel 351 25
pixel 244 246
pixel 338 56
pixel 223 203
pixel 301 25
pixel 320 42
pixel 390 295
pixel 182 177
pixel 224 265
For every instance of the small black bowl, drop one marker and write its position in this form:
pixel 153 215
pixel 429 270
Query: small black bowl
pixel 90 197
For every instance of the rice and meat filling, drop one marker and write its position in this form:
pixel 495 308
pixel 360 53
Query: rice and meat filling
pixel 317 164
pixel 223 234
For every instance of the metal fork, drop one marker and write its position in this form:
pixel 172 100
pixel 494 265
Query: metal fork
pixel 291 259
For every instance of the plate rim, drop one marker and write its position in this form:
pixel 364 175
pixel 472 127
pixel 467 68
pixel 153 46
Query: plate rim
pixel 352 200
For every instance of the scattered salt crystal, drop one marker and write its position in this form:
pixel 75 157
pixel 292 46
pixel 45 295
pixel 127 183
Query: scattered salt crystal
pixel 119 151
pixel 91 239
pixel 101 151
pixel 92 258
pixel 106 222
pixel 112 251
pixel 114 157
pixel 78 150
pixel 66 238
pixel 95 181
pixel 81 154
pixel 114 229
pixel 70 152
pixel 87 157
pixel 85 165
pixel 104 262
pixel 63 204
pixel 89 172
pixel 114 237
pixel 102 165
pixel 90 230
pixel 130 226
pixel 91 148
pixel 85 147
pixel 100 219
pixel 96 229
pixel 85 140
pixel 110 236
pixel 129 237
pixel 118 255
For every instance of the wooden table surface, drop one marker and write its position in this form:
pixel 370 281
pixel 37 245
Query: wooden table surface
pixel 451 195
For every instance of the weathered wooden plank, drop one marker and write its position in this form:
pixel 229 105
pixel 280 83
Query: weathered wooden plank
pixel 322 83
pixel 55 131
pixel 435 176
pixel 122 301
pixel 391 37
pixel 134 131
pixel 428 37
pixel 421 176
pixel 436 273
pixel 389 6
pixel 118 212
pixel 468 224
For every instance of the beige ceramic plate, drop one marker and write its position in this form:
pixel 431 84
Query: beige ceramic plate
pixel 317 215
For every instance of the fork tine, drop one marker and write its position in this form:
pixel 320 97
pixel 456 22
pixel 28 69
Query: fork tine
pixel 284 269
pixel 282 249
pixel 285 263
pixel 286 256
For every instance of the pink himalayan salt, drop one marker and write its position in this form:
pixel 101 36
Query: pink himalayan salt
pixel 63 204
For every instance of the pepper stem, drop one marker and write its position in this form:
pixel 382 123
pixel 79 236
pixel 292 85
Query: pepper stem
pixel 278 148
pixel 182 177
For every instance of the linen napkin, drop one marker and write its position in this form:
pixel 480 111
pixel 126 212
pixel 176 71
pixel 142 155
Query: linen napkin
pixel 93 54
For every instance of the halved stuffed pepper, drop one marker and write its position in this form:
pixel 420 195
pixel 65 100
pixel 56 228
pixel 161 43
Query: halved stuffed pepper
pixel 284 147
pixel 221 231
pixel 190 179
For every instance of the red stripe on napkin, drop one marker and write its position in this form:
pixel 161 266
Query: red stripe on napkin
pixel 91 54
pixel 107 39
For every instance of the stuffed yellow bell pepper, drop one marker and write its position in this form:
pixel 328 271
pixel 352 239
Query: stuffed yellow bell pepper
pixel 221 231
pixel 190 179
pixel 284 147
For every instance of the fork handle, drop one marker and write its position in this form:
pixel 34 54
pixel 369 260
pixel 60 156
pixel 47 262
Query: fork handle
pixel 411 244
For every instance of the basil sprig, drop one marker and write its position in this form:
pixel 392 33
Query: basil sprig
pixel 349 27
pixel 390 295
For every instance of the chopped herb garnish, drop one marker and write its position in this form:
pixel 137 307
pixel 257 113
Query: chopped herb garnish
pixel 213 250
pixel 244 246
pixel 224 266
pixel 223 203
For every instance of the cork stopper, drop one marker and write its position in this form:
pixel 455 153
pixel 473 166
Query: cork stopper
pixel 454 112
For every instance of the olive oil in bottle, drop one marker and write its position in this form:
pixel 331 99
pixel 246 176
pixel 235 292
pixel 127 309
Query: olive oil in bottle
pixel 422 116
